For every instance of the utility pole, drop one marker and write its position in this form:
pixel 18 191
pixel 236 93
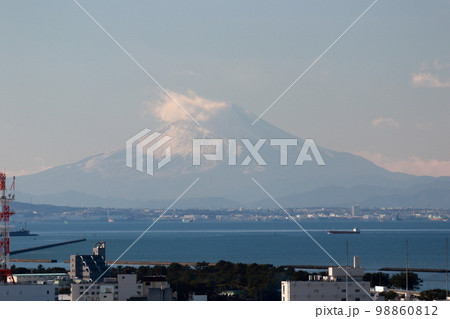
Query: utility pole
pixel 5 213
pixel 346 270
pixel 406 294
pixel 446 268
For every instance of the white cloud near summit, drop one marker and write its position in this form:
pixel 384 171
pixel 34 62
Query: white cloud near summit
pixel 435 75
pixel 428 80
pixel 167 110
pixel 381 121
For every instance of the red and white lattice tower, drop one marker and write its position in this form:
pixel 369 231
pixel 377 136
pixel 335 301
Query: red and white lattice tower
pixel 5 270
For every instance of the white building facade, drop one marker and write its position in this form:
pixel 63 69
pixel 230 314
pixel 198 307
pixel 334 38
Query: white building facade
pixel 337 286
pixel 111 289
pixel 40 278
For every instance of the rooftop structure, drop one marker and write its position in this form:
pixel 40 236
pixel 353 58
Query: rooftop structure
pixel 39 278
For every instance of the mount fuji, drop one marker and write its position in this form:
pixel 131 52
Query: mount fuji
pixel 105 180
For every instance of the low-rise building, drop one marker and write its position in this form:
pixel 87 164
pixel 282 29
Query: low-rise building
pixel 122 288
pixel 156 288
pixel 334 287
pixel 28 292
pixel 40 278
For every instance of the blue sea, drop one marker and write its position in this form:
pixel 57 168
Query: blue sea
pixel 275 242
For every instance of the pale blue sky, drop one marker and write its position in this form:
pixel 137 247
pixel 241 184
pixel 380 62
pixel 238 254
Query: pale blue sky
pixel 68 92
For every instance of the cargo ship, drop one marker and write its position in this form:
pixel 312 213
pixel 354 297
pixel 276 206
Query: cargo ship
pixel 21 232
pixel 353 231
pixel 437 218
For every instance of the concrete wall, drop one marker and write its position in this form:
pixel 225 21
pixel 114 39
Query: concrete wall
pixel 157 294
pixel 128 287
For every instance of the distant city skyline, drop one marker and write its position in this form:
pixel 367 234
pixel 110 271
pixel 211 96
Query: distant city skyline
pixel 382 92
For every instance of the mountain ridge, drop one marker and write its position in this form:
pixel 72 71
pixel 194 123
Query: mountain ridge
pixel 104 178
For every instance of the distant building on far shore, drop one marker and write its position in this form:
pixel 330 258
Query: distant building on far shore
pixel 329 288
pixel 356 211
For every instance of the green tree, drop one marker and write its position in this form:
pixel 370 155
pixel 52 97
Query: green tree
pixel 434 294
pixel 389 295
pixel 377 279
pixel 20 270
pixel 40 269
pixel 201 266
pixel 399 281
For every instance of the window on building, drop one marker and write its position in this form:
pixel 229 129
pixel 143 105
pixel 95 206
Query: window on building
pixel 357 299
pixel 357 290
pixel 316 291
pixel 343 290
pixel 48 292
pixel 342 299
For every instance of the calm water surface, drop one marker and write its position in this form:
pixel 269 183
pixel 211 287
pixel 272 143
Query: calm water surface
pixel 279 242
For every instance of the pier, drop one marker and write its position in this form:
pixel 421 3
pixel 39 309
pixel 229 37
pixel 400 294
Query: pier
pixel 19 251
pixel 402 269
pixel 37 261
pixel 150 263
